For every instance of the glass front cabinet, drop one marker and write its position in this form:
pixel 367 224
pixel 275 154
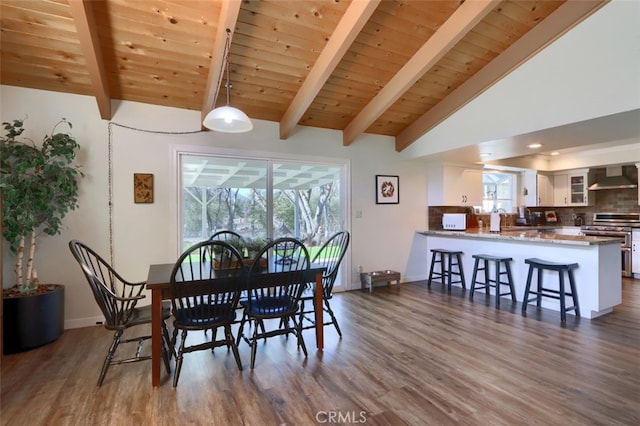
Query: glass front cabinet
pixel 578 189
pixel 571 188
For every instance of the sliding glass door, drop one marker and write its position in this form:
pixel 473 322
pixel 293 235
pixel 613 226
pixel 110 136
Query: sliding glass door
pixel 306 201
pixel 261 198
pixel 222 193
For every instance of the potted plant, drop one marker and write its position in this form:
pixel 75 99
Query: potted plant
pixel 222 257
pixel 253 246
pixel 39 186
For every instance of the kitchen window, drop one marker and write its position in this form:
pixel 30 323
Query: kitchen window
pixel 499 192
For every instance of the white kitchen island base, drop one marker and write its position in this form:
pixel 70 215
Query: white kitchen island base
pixel 598 278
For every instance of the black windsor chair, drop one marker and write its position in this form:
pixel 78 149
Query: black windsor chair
pixel 275 294
pixel 330 256
pixel 228 236
pixel 205 287
pixel 118 299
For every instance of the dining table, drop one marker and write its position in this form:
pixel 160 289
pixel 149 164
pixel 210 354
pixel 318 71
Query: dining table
pixel 159 282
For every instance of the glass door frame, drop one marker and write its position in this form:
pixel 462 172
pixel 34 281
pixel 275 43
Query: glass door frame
pixel 270 158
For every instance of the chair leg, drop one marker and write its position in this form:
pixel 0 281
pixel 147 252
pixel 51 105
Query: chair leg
pixel 166 348
pixel 176 374
pixel 301 316
pixel 473 278
pixel 461 270
pixel 539 295
pixel 487 277
pixel 109 358
pixel 254 344
pixel 525 300
pixel 497 284
pixel 234 347
pixel 574 292
pixel 214 335
pixel 298 331
pixel 433 258
pixel 174 339
pixel 284 325
pixel 241 329
pixel 449 269
pixel 563 302
pixel 334 320
pixel 510 278
pixel 264 332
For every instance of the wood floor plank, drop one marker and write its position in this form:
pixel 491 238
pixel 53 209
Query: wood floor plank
pixel 409 356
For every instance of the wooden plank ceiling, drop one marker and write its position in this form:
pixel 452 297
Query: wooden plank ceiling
pixel 394 68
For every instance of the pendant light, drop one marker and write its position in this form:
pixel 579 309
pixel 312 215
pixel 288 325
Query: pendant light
pixel 227 119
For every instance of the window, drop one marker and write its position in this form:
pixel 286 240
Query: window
pixel 498 191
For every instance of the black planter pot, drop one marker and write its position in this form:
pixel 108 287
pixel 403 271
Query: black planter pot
pixel 32 320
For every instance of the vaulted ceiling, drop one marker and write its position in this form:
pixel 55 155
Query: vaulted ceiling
pixel 394 68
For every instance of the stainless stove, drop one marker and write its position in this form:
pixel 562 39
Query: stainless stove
pixel 615 225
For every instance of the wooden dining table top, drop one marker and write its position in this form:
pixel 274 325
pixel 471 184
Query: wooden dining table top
pixel 159 275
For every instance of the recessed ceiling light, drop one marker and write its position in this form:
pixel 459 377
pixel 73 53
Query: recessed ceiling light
pixel 485 154
pixel 554 153
pixel 534 145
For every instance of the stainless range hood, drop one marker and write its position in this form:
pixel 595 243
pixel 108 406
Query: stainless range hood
pixel 613 180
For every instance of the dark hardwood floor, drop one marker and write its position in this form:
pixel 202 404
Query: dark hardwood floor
pixel 413 355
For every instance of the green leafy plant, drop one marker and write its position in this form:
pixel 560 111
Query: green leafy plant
pixel 234 241
pixel 254 245
pixel 39 187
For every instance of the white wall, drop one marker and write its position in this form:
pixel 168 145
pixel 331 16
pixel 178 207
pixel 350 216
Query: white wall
pixel 145 233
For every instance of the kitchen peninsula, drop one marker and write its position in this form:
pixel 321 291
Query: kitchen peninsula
pixel 598 278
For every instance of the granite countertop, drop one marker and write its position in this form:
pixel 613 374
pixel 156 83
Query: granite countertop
pixel 527 234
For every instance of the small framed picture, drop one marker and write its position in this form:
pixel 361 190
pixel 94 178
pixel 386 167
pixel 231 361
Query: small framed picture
pixel 550 216
pixel 143 187
pixel 387 189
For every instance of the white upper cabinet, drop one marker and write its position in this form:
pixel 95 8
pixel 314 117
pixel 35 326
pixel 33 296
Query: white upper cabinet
pixel 454 185
pixel 560 190
pixel 570 188
pixel 536 189
pixel 544 194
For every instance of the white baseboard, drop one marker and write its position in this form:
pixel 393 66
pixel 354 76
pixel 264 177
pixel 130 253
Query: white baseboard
pixel 83 322
pixel 410 279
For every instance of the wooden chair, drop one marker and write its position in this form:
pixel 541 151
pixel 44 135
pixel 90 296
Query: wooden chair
pixel 118 299
pixel 230 237
pixel 330 255
pixel 205 288
pixel 275 294
pixel 238 242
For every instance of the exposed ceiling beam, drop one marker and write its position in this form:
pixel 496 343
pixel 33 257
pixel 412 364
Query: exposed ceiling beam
pixel 443 40
pixel 345 33
pixel 228 18
pixel 82 13
pixel 555 25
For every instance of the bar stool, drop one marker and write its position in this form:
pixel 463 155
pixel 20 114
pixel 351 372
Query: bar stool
pixel 488 282
pixel 447 259
pixel 540 265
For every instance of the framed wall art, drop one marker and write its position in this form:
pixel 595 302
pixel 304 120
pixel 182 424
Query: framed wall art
pixel 387 189
pixel 143 187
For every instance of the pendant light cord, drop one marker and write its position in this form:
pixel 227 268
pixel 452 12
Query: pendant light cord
pixel 226 60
